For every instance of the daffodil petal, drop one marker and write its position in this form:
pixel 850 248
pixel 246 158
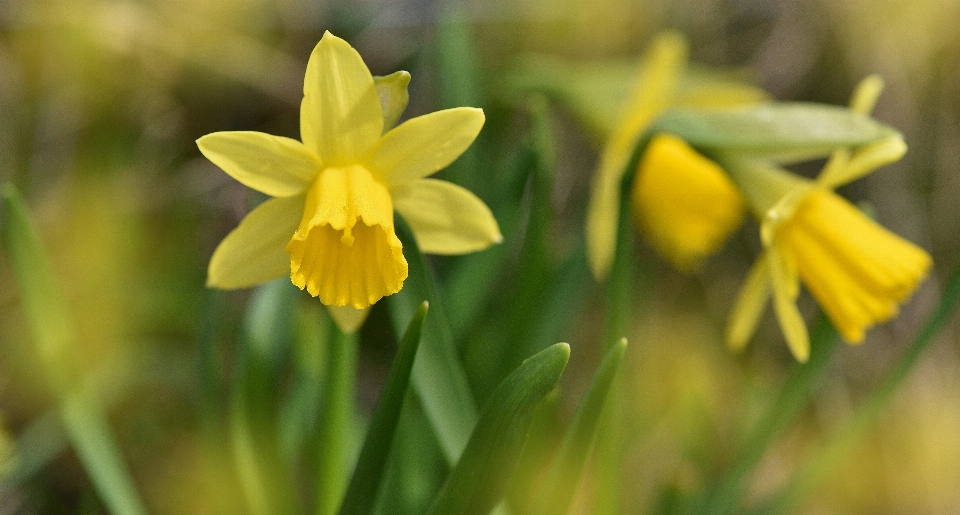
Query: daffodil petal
pixel 664 64
pixel 601 224
pixel 865 95
pixel 862 162
pixel 425 144
pixel 751 300
pixel 786 285
pixel 340 116
pixel 392 91
pixel 277 166
pixel 445 218
pixel 348 318
pixel 255 251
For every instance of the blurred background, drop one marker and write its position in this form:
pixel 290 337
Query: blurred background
pixel 100 105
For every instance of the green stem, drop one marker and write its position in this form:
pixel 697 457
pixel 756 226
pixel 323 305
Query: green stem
pixel 797 390
pixel 620 307
pixel 336 423
pixel 828 456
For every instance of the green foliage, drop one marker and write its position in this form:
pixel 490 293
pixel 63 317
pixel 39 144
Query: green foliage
pixel 481 476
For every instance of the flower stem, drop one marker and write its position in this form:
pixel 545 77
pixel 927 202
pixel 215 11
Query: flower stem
pixel 796 391
pixel 843 440
pixel 336 423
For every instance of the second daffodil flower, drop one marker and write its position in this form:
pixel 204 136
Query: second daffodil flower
pixel 684 203
pixel 330 224
pixel 857 271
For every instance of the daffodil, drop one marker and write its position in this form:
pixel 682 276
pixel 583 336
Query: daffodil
pixel 671 176
pixel 684 202
pixel 330 222
pixel 857 271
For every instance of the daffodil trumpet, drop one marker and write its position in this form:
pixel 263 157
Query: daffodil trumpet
pixel 330 224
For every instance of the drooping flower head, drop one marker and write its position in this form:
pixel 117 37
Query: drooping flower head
pixel 671 179
pixel 330 224
pixel 685 203
pixel 857 271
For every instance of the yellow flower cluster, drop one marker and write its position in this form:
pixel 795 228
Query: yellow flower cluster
pixel 856 270
pixel 330 222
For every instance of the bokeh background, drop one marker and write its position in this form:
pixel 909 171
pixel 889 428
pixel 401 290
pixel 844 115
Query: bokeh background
pixel 100 105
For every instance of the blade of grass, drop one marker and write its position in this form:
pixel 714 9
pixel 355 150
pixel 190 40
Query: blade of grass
pixel 368 474
pixel 828 456
pixel 480 478
pixel 802 383
pixel 46 311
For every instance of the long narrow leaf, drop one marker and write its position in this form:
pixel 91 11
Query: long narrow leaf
pixel 438 375
pixel 368 474
pixel 83 418
pixel 830 454
pixel 480 478
pixel 564 477
pixel 266 482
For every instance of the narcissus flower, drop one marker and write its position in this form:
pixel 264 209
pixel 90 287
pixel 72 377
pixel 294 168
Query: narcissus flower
pixel 857 271
pixel 685 203
pixel 330 224
pixel 658 196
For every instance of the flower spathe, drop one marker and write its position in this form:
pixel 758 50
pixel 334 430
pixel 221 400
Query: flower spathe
pixel 857 271
pixel 330 224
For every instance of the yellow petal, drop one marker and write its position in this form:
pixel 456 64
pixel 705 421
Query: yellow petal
pixel 786 287
pixel 425 144
pixel 858 271
pixel 865 95
pixel 348 318
pixel 254 252
pixel 748 307
pixel 340 116
pixel 345 250
pixel 445 218
pixel 684 202
pixel 664 63
pixel 392 91
pixel 277 166
pixel 863 161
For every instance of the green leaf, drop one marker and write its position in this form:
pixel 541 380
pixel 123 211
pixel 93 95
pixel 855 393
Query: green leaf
pixel 368 474
pixel 785 131
pixel 41 298
pixel 83 418
pixel 564 477
pixel 480 478
pixel 392 90
pixel 266 482
pixel 438 375
pixel 831 452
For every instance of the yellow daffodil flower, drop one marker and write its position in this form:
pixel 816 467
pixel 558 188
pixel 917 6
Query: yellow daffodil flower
pixel 857 271
pixel 685 203
pixel 330 223
pixel 658 194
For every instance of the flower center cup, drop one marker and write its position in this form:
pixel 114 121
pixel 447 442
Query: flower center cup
pixel 345 250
